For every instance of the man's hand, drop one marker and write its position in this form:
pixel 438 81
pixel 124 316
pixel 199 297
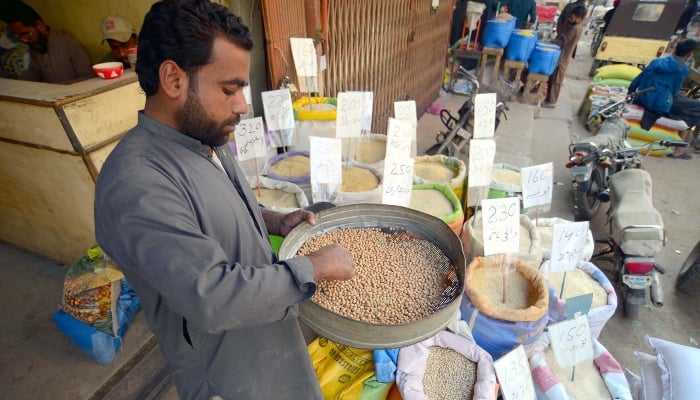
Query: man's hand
pixel 281 224
pixel 332 262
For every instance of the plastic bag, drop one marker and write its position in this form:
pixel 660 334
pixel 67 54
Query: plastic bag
pixel 91 289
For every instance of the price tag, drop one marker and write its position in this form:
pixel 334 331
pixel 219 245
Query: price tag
pixel 514 376
pixel 537 185
pixel 304 54
pixel 484 115
pixel 567 244
pixel 571 341
pixel 399 136
pixel 481 154
pixel 406 111
pixel 367 106
pixel 324 157
pixel 578 305
pixel 277 105
pixel 398 181
pixel 250 139
pixel 501 222
pixel 348 123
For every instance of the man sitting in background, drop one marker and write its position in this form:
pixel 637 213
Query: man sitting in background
pixel 120 34
pixel 56 57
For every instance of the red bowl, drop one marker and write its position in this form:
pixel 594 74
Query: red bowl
pixel 109 70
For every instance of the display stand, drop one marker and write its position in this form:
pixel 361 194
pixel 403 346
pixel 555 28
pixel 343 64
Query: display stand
pixel 485 53
pixel 536 97
pixel 517 66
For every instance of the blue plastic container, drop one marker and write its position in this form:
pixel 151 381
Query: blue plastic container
pixel 498 32
pixel 521 45
pixel 544 59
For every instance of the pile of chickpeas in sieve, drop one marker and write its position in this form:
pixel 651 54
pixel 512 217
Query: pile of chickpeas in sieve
pixel 399 277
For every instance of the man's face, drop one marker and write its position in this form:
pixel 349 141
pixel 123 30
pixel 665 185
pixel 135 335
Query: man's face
pixel 35 36
pixel 120 50
pixel 215 98
pixel 575 19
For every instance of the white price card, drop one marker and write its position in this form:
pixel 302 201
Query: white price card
pixel 324 157
pixel 571 341
pixel 514 376
pixel 501 222
pixel 348 123
pixel 399 137
pixel 481 154
pixel 567 245
pixel 304 54
pixel 406 111
pixel 250 139
pixel 367 106
pixel 484 115
pixel 398 181
pixel 277 105
pixel 537 185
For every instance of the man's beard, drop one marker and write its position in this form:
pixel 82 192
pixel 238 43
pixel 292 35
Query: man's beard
pixel 41 45
pixel 193 122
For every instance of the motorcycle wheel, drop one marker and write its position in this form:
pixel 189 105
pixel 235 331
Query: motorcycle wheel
pixel 631 310
pixel 450 150
pixel 688 280
pixel 586 203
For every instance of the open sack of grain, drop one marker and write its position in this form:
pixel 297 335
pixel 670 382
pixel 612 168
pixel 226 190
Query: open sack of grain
pixel 585 278
pixel 498 326
pixel 450 171
pixel 445 366
pixel 439 201
pixel 369 150
pixel 276 195
pixel 313 116
pixel 545 227
pixel 530 248
pixel 599 378
pixel 360 184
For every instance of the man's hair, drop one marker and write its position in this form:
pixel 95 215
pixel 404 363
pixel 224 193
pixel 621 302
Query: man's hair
pixel 19 11
pixel 579 10
pixel 183 31
pixel 685 47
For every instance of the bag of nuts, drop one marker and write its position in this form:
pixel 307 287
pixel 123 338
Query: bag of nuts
pixel 91 290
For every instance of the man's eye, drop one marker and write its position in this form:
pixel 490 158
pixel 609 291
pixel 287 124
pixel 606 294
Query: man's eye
pixel 229 92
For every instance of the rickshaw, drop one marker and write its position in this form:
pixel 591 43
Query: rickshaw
pixel 638 32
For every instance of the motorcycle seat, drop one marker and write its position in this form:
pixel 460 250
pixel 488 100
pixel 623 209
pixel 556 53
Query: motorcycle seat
pixel 634 222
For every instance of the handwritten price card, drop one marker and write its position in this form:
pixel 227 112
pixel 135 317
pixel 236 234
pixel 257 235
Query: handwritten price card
pixel 398 181
pixel 484 115
pixel 501 222
pixel 277 105
pixel 481 154
pixel 367 106
pixel 304 54
pixel 399 137
pixel 348 123
pixel 406 111
pixel 567 244
pixel 571 341
pixel 537 185
pixel 324 157
pixel 250 139
pixel 513 372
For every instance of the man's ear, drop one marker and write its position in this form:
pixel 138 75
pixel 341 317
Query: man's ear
pixel 41 26
pixel 173 79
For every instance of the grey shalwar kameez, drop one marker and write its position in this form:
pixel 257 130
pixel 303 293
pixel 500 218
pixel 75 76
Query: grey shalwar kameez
pixel 197 255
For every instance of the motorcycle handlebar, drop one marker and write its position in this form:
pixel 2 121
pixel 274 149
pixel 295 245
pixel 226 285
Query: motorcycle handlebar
pixel 668 143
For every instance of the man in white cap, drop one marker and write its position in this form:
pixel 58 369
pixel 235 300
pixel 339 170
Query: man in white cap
pixel 121 36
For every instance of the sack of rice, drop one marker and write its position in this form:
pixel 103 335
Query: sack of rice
pixel 360 184
pixel 292 166
pixel 585 278
pixel 506 181
pixel 445 366
pixel 504 313
pixel 314 116
pixel 367 150
pixel 545 227
pixel 439 201
pixel 450 171
pixel 280 196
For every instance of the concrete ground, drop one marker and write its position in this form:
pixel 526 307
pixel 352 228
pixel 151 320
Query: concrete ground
pixel 39 362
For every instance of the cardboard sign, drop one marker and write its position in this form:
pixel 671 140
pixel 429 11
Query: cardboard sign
pixel 568 240
pixel 514 376
pixel 484 115
pixel 571 341
pixel 501 222
pixel 304 55
pixel 399 138
pixel 406 111
pixel 398 181
pixel 348 123
pixel 325 160
pixel 250 139
pixel 537 185
pixel 277 105
pixel 481 154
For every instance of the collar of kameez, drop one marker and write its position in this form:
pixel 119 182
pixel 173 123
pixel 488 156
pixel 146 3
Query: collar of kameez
pixel 165 132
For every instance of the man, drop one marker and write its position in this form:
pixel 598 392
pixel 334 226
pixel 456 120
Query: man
pixel 666 75
pixel 524 10
pixel 564 18
pixel 567 38
pixel 191 240
pixel 121 36
pixel 56 57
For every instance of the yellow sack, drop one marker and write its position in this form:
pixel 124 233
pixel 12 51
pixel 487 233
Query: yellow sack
pixel 617 71
pixel 341 370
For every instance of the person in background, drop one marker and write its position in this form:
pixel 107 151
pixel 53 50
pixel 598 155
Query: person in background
pixel 56 57
pixel 691 8
pixel 564 18
pixel 566 38
pixel 14 55
pixel 666 75
pixel 172 212
pixel 121 36
pixel 609 15
pixel 524 10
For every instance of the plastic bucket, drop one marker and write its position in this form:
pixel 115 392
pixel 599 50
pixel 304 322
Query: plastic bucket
pixel 498 32
pixel 544 59
pixel 521 45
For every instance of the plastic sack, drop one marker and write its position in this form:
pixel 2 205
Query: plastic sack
pixel 100 346
pixel 617 71
pixel 634 112
pixel 314 116
pixel 367 150
pixel 372 196
pixel 457 166
pixel 613 82
pixel 545 229
pixel 413 360
pixel 90 291
pixel 287 187
pixel 678 365
pixel 454 220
